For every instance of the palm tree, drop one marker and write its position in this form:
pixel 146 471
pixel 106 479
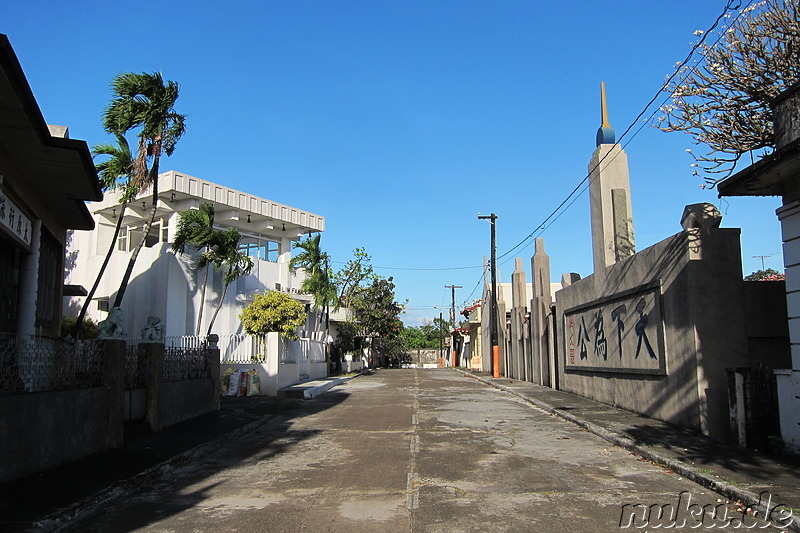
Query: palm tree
pixel 316 264
pixel 196 227
pixel 235 264
pixel 114 172
pixel 144 101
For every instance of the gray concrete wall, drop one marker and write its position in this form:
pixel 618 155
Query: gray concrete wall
pixel 187 399
pixel 694 321
pixel 43 430
pixel 767 324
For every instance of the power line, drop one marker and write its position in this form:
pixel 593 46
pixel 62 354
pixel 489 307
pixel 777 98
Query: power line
pixel 544 225
pixel 570 199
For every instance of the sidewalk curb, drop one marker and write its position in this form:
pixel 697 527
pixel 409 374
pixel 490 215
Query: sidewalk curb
pixel 723 488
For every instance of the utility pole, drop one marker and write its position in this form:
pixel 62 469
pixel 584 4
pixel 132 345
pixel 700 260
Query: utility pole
pixel 453 319
pixel 493 304
pixel 441 342
pixel 762 257
pixel 453 308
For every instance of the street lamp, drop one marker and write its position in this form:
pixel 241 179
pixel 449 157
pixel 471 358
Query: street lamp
pixel 493 304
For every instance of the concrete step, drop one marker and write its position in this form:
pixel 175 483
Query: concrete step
pixel 311 389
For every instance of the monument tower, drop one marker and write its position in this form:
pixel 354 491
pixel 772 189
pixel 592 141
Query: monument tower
pixel 609 196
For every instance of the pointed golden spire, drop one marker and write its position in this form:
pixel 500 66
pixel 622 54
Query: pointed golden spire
pixel 605 133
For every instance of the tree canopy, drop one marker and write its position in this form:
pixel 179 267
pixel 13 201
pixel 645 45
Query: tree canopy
pixel 426 336
pixel 769 274
pixel 315 262
pixel 271 312
pixel 144 102
pixel 724 102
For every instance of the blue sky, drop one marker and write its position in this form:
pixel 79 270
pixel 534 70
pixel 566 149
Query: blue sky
pixel 400 121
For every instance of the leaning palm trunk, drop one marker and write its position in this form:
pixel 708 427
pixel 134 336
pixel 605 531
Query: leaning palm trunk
pixel 202 301
pixel 132 261
pixel 102 271
pixel 219 305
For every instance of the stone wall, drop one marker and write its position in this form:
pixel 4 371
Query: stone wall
pixel 46 429
pixel 655 332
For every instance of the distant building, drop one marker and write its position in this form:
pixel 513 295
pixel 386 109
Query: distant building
pixel 45 177
pixel 167 285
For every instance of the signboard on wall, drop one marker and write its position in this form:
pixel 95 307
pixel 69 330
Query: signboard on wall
pixel 14 222
pixel 621 333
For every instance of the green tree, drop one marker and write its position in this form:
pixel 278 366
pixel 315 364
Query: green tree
pixel 234 264
pixel 114 172
pixel 316 263
pixel 724 102
pixel 196 228
pixel 350 278
pixel 144 102
pixel 273 312
pixel 428 335
pixel 375 309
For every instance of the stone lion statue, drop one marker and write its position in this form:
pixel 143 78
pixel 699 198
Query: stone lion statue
pixel 111 327
pixel 153 331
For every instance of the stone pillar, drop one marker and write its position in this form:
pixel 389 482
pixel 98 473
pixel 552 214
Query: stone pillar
pixel 114 380
pixel 518 309
pixel 609 196
pixel 788 380
pixel 283 261
pixel 213 354
pixel 502 331
pixel 154 353
pixel 540 309
pixel 29 284
pixel 609 199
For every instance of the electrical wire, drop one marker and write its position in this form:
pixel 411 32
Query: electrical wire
pixel 544 225
pixel 576 192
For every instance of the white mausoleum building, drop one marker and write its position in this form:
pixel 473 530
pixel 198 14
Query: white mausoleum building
pixel 167 285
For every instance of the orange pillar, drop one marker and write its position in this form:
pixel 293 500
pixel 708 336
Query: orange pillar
pixel 495 361
pixel 453 363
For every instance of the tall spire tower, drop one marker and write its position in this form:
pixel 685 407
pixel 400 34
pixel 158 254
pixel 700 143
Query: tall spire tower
pixel 609 196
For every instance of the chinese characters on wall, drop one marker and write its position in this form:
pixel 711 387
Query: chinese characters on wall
pixel 14 221
pixel 617 335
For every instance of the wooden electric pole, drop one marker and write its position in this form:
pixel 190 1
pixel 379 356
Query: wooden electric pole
pixel 493 304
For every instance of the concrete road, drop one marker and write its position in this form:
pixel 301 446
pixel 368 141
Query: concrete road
pixel 414 450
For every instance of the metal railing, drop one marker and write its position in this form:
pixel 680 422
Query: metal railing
pixel 185 364
pixel 242 349
pixel 38 364
pixel 135 368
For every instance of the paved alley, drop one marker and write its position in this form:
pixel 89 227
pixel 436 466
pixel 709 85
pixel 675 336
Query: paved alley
pixel 407 450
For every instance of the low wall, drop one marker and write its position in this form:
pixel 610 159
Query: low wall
pixel 655 332
pixel 188 399
pixel 45 429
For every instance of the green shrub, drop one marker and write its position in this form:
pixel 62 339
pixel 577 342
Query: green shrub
pixel 273 312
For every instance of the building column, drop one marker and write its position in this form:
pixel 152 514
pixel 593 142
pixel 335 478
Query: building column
pixel 788 380
pixel 283 260
pixel 29 284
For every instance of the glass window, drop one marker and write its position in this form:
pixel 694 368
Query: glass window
pixel 263 250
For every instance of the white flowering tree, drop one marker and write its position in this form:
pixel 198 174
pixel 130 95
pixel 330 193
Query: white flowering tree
pixel 724 101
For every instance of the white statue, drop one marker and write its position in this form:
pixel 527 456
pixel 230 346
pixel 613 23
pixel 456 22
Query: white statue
pixel 111 327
